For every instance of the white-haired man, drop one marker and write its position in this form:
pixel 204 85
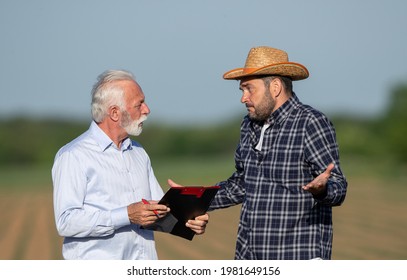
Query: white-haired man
pixel 101 177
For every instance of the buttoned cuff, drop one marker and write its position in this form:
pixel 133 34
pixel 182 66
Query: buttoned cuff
pixel 120 217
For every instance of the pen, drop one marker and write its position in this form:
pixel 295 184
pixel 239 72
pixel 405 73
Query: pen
pixel 155 211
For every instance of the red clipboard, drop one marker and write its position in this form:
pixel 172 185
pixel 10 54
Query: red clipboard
pixel 185 203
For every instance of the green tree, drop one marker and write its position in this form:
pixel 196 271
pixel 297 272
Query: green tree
pixel 394 123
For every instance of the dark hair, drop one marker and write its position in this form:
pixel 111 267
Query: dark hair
pixel 286 81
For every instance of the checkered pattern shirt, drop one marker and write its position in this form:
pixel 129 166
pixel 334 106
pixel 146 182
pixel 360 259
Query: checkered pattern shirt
pixel 278 219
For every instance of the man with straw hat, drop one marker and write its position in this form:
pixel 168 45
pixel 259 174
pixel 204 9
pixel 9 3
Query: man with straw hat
pixel 287 175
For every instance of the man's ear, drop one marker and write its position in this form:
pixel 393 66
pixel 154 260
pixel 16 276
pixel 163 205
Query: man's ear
pixel 276 87
pixel 114 113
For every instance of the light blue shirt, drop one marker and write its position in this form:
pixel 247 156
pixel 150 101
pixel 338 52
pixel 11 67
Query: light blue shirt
pixel 94 182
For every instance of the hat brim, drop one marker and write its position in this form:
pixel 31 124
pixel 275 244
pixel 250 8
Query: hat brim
pixel 293 70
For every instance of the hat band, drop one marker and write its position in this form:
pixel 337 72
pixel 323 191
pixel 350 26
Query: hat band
pixel 249 70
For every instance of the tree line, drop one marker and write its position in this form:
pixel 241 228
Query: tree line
pixel 27 141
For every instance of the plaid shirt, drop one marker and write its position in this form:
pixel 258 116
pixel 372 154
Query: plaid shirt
pixel 278 219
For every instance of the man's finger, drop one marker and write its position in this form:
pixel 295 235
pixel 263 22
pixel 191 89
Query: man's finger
pixel 328 170
pixel 204 217
pixel 173 184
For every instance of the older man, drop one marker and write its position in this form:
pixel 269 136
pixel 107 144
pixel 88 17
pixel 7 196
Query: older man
pixel 101 177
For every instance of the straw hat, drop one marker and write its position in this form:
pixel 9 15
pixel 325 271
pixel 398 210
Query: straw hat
pixel 268 61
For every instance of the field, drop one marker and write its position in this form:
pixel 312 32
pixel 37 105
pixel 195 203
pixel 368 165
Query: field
pixel 371 224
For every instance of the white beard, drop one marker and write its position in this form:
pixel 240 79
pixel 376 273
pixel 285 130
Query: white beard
pixel 133 127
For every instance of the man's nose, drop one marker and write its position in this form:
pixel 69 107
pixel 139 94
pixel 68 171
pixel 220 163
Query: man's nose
pixel 146 109
pixel 245 97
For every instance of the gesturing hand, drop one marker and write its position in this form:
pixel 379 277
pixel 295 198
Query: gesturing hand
pixel 318 185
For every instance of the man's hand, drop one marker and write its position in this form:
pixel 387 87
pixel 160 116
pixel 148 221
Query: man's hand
pixel 146 214
pixel 318 185
pixel 199 224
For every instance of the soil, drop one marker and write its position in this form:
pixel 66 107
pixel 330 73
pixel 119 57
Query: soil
pixel 370 225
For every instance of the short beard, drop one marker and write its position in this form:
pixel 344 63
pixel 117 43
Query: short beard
pixel 263 111
pixel 132 127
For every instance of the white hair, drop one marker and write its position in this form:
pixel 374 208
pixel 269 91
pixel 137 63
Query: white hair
pixel 106 93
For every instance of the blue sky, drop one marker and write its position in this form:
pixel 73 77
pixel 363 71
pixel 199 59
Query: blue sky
pixel 51 52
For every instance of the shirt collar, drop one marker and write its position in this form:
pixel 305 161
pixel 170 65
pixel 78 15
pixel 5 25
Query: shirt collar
pixel 284 110
pixel 103 140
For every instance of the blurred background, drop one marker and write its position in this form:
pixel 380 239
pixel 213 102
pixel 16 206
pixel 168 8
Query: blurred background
pixel 52 51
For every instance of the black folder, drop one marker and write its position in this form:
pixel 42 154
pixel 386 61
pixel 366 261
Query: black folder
pixel 185 203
